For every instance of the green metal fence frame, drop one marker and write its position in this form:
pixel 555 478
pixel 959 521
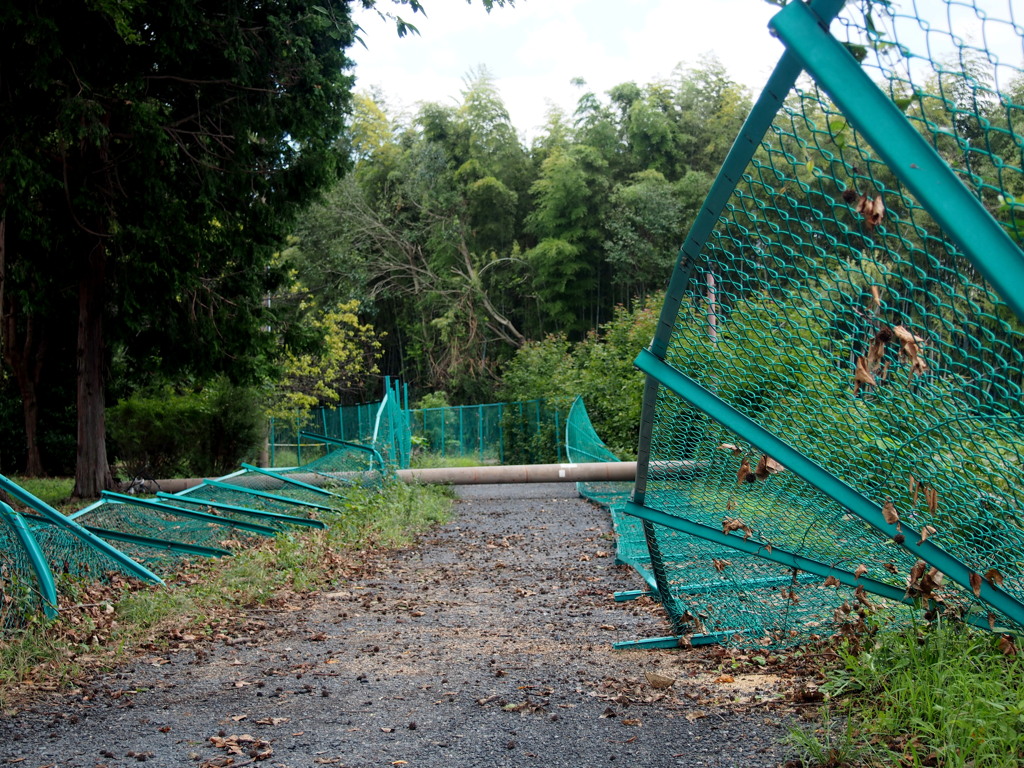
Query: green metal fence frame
pixel 810 47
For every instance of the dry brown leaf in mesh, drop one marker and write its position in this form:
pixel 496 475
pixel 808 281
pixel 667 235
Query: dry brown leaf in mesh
pixel 743 472
pixel 876 213
pixel 720 565
pixel 918 367
pixel 890 514
pixel 732 447
pixel 876 352
pixel 767 466
pixel 905 336
pixel 994 577
pixel 761 471
pixel 916 572
pixel 860 571
pixel 931 497
pixel 861 375
pixel 975 580
pixel 832 581
pixel 862 597
pixel 731 524
pixel 876 298
pixel 1007 646
pixel 913 486
pixel 931 581
pixel 926 531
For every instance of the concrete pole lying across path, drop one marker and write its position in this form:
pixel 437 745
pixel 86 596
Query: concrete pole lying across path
pixel 598 471
pixel 602 471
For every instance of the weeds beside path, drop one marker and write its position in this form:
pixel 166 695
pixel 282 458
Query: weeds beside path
pixel 489 643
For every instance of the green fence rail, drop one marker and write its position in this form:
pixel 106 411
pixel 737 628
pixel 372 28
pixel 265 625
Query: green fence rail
pixel 840 349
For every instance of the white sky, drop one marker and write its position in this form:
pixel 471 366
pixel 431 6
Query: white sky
pixel 536 48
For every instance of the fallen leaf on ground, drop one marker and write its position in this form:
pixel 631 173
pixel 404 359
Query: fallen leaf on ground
pixel 656 680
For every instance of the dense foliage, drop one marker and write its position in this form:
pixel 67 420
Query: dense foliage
pixel 599 368
pixel 153 155
pixel 160 432
pixel 469 244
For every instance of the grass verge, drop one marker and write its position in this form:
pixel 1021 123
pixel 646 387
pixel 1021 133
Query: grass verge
pixel 942 695
pixel 101 623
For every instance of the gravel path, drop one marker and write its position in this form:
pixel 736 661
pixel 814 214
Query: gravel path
pixel 489 644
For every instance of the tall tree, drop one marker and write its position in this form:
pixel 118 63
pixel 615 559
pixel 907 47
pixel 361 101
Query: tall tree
pixel 151 155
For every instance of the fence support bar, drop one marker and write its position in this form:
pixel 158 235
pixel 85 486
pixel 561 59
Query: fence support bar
pixel 69 525
pixel 170 509
pixel 257 513
pixel 44 576
pixel 149 541
pixel 288 480
pixel 780 556
pixel 676 641
pixel 259 495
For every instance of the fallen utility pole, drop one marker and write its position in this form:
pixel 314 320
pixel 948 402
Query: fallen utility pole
pixel 604 471
pixel 597 471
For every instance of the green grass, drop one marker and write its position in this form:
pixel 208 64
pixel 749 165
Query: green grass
pixel 53 490
pixel 99 624
pixel 944 696
pixel 433 460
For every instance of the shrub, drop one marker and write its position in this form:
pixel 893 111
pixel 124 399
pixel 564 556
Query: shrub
pixel 164 433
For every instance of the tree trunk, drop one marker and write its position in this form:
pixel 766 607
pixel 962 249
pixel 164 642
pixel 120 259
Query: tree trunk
pixel 92 470
pixel 25 358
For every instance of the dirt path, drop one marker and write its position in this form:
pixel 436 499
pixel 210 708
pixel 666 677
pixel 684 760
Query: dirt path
pixel 487 645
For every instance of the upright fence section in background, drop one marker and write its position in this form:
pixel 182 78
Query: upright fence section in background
pixel 525 432
pixel 350 423
pixel 841 348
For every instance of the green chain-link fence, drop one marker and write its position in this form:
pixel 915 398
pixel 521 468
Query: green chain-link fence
pixel 131 534
pixel 841 346
pixel 524 432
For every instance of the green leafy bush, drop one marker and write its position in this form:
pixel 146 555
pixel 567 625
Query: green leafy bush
pixel 600 368
pixel 164 433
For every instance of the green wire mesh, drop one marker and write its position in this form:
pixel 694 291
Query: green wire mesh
pixel 583 445
pixel 162 525
pixel 242 497
pixel 712 592
pixel 829 308
pixel 522 432
pixel 392 438
pixel 350 423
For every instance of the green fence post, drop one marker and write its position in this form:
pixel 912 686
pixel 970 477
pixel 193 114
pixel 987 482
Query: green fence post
pixel 558 443
pixel 271 441
pixel 501 433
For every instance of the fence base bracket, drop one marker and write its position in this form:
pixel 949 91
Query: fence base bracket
pixel 633 594
pixel 674 641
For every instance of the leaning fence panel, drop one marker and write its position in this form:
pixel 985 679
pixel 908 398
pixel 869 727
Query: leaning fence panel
pixel 841 346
